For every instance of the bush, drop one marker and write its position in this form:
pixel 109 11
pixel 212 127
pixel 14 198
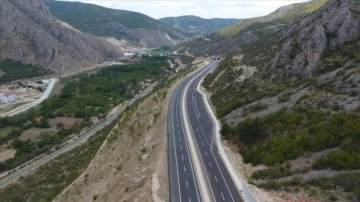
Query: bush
pixel 284 97
pixel 338 160
pixel 250 131
pixel 288 134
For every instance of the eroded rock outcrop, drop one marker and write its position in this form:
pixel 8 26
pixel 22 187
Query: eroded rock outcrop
pixel 29 33
pixel 333 25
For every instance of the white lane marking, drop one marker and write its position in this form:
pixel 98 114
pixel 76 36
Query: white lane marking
pixel 180 147
pixel 182 156
pixel 187 184
pixel 210 164
pixel 222 175
pixel 176 163
pixel 180 139
pixel 184 169
pixel 205 153
pixel 187 147
pixel 178 131
pixel 196 109
pixel 215 178
pixel 222 195
pixel 189 199
pixel 188 118
pixel 202 143
pixel 196 129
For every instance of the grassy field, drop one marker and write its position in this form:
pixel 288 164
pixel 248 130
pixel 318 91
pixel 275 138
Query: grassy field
pixel 5 131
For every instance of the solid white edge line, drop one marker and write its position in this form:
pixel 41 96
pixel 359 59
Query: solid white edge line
pixel 233 175
pixel 173 133
pixel 200 175
pixel 192 160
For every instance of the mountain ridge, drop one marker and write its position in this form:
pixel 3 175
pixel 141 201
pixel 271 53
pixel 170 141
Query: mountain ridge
pixel 136 28
pixel 194 25
pixel 233 37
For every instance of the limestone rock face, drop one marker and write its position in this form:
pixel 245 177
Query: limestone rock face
pixel 30 34
pixel 333 25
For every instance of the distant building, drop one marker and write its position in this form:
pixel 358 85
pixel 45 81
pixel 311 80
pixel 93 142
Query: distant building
pixel 38 85
pixel 128 54
pixel 7 97
pixel 46 82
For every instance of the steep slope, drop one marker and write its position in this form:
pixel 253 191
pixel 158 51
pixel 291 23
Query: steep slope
pixel 323 44
pixel 134 27
pixel 233 37
pixel 283 15
pixel 194 25
pixel 304 42
pixel 290 101
pixel 30 34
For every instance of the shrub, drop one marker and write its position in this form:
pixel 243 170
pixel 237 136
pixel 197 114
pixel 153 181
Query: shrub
pixel 284 97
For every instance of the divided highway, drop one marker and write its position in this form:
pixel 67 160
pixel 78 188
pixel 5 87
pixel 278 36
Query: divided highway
pixel 185 186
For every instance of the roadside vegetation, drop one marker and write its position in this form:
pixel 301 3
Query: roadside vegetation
pixel 228 94
pixel 50 179
pixel 341 187
pixel 288 134
pixel 83 96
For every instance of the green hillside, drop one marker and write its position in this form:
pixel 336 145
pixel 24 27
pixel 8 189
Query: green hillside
pixel 194 25
pixel 283 15
pixel 120 24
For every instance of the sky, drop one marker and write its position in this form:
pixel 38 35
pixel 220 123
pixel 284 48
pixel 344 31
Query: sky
pixel 203 8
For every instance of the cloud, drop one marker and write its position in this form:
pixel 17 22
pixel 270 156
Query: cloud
pixel 202 8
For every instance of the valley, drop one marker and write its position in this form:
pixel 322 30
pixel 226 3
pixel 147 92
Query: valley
pixel 107 104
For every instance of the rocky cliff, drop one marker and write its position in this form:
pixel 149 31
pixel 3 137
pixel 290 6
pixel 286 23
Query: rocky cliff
pixel 304 42
pixel 30 34
pixel 319 50
pixel 236 36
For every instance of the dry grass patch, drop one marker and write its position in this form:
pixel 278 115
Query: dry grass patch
pixel 33 133
pixel 67 121
pixel 7 154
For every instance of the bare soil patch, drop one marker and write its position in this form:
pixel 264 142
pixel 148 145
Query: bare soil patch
pixel 67 121
pixel 33 133
pixel 7 154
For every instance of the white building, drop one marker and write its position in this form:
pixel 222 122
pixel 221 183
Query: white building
pixel 7 97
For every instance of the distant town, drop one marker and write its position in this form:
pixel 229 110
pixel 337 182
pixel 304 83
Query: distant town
pixel 23 92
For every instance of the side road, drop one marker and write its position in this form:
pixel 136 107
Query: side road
pixel 26 107
pixel 29 167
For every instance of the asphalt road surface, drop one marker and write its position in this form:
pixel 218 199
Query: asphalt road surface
pixel 183 185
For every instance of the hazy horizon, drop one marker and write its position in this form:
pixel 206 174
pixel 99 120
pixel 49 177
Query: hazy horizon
pixel 202 8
